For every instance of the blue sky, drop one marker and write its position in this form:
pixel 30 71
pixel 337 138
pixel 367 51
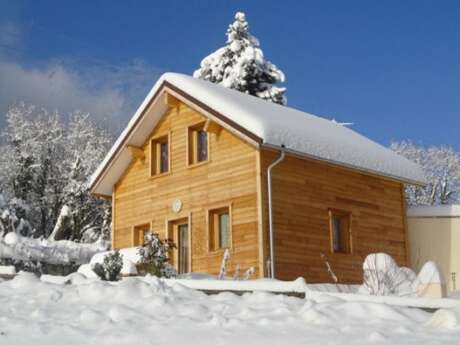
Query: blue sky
pixel 390 67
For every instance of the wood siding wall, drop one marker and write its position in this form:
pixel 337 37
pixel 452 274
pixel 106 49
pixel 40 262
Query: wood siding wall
pixel 229 178
pixel 303 192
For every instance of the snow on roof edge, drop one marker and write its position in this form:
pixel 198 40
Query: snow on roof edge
pixel 434 211
pixel 344 165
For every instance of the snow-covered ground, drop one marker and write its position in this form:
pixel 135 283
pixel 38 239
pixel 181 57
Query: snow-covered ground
pixel 149 311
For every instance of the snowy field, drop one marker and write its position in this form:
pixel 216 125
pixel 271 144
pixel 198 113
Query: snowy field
pixel 148 311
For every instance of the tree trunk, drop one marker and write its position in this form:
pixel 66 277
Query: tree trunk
pixel 61 224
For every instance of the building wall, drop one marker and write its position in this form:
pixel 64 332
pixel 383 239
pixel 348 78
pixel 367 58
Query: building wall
pixel 436 239
pixel 229 178
pixel 304 191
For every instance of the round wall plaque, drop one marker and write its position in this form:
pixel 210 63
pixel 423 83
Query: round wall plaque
pixel 177 205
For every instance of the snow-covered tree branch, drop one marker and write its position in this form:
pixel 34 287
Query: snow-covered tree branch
pixel 45 164
pixel 441 165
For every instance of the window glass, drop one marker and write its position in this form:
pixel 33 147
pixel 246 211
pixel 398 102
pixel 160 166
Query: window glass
pixel 219 228
pixel 336 238
pixel 340 231
pixel 159 158
pixel 224 231
pixel 164 157
pixel 202 146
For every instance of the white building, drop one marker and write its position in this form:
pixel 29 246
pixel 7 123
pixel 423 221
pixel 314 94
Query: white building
pixel 434 234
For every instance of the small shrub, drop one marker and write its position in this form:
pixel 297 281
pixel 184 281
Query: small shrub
pixel 111 266
pixel 154 256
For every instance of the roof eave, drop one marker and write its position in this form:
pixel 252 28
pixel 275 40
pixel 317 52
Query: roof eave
pixel 345 165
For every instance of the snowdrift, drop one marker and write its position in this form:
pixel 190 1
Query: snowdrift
pixel 16 247
pixel 139 310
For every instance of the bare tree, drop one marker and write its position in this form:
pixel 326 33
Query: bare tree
pixel 441 165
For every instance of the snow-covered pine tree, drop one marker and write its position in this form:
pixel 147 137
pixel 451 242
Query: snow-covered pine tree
pixel 241 65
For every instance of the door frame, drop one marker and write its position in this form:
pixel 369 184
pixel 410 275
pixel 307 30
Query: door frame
pixel 171 233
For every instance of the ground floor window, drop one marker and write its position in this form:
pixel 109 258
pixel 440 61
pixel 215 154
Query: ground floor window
pixel 139 233
pixel 340 231
pixel 219 223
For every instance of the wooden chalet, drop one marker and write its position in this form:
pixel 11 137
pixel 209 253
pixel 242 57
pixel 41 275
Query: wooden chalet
pixel 212 168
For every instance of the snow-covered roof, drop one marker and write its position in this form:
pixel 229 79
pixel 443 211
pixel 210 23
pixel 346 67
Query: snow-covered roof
pixel 434 211
pixel 261 122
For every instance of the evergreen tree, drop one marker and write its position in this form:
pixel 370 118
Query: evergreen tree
pixel 241 65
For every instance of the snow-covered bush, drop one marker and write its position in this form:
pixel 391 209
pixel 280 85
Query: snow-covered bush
pixel 154 256
pixel 249 272
pixel 111 266
pixel 241 65
pixel 430 281
pixel 383 277
pixel 441 165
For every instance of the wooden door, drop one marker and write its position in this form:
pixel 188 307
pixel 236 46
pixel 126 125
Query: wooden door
pixel 183 248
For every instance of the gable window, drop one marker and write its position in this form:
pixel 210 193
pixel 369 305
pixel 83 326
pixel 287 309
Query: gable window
pixel 201 146
pixel 164 157
pixel 198 145
pixel 219 223
pixel 340 231
pixel 159 156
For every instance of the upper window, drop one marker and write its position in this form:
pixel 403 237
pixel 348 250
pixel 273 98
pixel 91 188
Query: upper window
pixel 201 146
pixel 340 231
pixel 198 145
pixel 219 229
pixel 159 160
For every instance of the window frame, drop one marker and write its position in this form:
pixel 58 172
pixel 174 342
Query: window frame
pixel 213 234
pixel 145 227
pixel 155 155
pixel 192 145
pixel 343 215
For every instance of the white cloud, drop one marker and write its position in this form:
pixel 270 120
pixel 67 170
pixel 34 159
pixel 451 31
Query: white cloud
pixel 106 91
